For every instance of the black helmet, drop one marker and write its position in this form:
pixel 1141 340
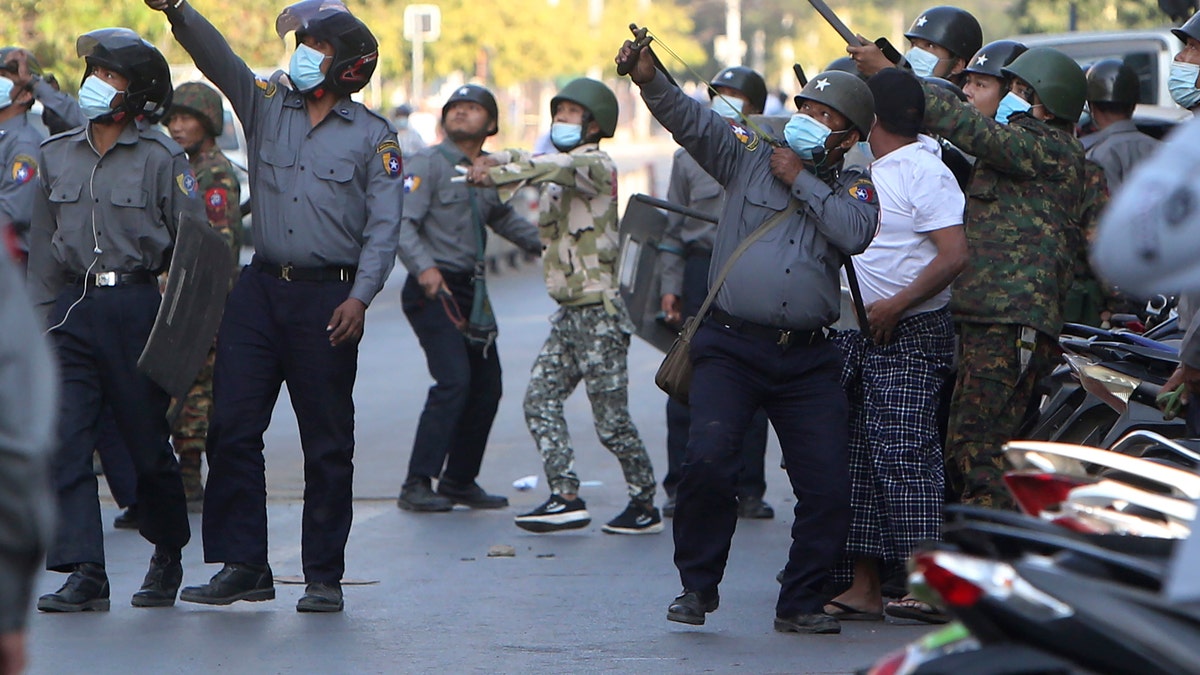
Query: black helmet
pixel 123 51
pixel 475 94
pixel 745 80
pixel 1111 81
pixel 953 28
pixel 846 65
pixel 994 57
pixel 355 49
pixel 1189 29
pixel 846 94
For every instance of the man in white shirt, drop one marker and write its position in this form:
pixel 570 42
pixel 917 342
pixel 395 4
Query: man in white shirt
pixel 894 371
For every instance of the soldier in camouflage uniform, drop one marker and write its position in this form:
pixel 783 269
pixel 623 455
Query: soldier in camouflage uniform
pixel 1026 202
pixel 195 120
pixel 589 340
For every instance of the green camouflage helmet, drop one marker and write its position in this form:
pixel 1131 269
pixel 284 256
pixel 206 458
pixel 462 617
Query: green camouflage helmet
pixel 599 100
pixel 202 102
pixel 1056 79
pixel 6 53
pixel 846 94
pixel 1111 81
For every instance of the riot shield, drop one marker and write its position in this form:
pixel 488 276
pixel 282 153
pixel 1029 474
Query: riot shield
pixel 642 229
pixel 191 308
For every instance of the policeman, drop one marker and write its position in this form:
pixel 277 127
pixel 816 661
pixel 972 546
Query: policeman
pixel 1112 94
pixel 942 39
pixel 19 142
pixel 1027 200
pixel 442 241
pixel 60 111
pixel 325 172
pixel 764 343
pixel 687 247
pixel 409 138
pixel 195 120
pixel 1184 79
pixel 105 216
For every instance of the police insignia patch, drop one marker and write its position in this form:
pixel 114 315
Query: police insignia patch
pixel 744 136
pixel 187 183
pixel 24 168
pixel 391 163
pixel 215 201
pixel 387 145
pixel 267 87
pixel 411 183
pixel 863 190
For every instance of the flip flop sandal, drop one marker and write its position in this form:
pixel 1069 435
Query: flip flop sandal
pixel 847 613
pixel 915 610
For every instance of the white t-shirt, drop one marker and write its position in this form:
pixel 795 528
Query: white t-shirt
pixel 917 195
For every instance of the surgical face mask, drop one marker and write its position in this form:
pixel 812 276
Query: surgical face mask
pixel 305 68
pixel 1182 83
pixel 726 106
pixel 923 62
pixel 804 135
pixel 401 122
pixel 96 97
pixel 565 136
pixel 1010 105
pixel 6 87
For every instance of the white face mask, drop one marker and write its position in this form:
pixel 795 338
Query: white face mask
pixel 923 61
pixel 6 89
pixel 96 97
pixel 726 106
pixel 1182 84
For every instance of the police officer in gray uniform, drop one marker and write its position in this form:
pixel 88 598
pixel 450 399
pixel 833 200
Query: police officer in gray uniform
pixel 441 237
pixel 764 343
pixel 687 248
pixel 326 176
pixel 1112 95
pixel 110 198
pixel 19 142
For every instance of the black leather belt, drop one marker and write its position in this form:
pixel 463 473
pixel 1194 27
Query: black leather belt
pixel 780 336
pixel 290 273
pixel 111 279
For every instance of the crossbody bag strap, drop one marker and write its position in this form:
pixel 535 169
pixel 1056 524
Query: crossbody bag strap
pixel 757 234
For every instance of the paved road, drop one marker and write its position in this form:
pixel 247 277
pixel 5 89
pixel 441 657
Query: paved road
pixel 578 602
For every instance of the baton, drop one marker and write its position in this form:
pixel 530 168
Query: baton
pixel 856 296
pixel 834 20
pixel 800 75
pixel 669 206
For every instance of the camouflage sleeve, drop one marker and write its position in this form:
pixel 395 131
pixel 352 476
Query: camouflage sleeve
pixel 672 241
pixel 221 194
pixel 1007 148
pixel 589 174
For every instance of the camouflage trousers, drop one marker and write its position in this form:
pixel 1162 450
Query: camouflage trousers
pixel 191 427
pixel 992 393
pixel 590 344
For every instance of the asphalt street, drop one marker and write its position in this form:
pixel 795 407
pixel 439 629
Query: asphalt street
pixel 432 600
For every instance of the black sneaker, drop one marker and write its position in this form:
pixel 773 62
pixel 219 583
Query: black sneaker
pixel 555 514
pixel 470 495
pixel 754 508
pixel 235 581
pixel 86 590
pixel 417 495
pixel 637 518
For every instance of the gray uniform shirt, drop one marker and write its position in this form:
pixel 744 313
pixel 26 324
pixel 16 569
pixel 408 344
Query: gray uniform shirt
pixel 126 204
pixel 28 407
pixel 789 278
pixel 325 195
pixel 1117 149
pixel 19 142
pixel 690 186
pixel 438 229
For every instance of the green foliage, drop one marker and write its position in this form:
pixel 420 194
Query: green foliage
pixel 1053 16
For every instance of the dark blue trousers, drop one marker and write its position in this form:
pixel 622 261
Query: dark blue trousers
pixel 273 332
pixel 119 471
pixel 752 481
pixel 98 348
pixel 799 387
pixel 461 406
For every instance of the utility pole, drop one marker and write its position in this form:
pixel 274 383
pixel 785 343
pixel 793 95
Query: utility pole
pixel 422 23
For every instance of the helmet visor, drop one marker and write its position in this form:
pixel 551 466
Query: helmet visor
pixel 111 39
pixel 297 16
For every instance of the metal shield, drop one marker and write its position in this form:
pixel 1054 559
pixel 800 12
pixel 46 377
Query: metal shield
pixel 642 230
pixel 191 308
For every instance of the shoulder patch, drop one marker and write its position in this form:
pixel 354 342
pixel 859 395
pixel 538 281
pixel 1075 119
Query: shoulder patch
pixel 745 136
pixel 863 190
pixel 387 145
pixel 267 87
pixel 392 164
pixel 23 169
pixel 187 183
pixel 411 183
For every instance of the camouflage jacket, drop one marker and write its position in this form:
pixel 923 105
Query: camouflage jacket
pixel 1025 205
pixel 577 219
pixel 218 186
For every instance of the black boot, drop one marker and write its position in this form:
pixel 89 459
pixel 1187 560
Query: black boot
pixel 321 597
pixel 417 495
pixel 86 590
pixel 470 494
pixel 162 580
pixel 235 581
pixel 691 606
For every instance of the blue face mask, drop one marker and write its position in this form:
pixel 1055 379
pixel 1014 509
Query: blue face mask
pixel 96 97
pixel 728 107
pixel 1010 105
pixel 923 62
pixel 6 87
pixel 566 136
pixel 804 135
pixel 305 68
pixel 1182 83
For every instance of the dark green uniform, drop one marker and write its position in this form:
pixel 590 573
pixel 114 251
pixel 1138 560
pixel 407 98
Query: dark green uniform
pixel 1024 206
